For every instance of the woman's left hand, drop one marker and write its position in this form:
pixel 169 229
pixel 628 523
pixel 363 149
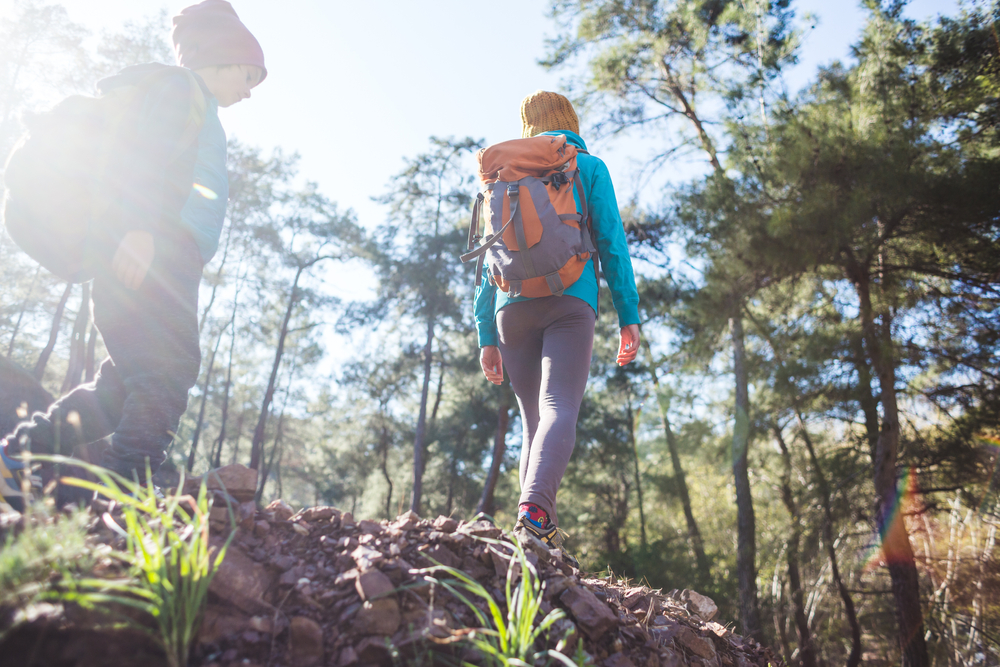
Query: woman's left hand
pixel 629 346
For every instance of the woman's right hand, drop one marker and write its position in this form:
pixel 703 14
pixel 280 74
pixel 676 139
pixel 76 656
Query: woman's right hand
pixel 492 363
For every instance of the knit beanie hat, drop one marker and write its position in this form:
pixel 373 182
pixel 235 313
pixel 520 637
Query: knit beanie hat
pixel 543 111
pixel 210 33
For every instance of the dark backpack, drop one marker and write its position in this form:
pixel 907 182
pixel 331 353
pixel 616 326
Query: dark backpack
pixel 536 243
pixel 57 175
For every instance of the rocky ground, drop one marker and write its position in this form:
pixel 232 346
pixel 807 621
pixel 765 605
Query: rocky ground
pixel 320 588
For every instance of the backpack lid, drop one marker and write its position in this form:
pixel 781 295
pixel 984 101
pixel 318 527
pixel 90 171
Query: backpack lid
pixel 535 156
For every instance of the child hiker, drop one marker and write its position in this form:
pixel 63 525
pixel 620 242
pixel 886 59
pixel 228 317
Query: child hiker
pixel 170 190
pixel 546 342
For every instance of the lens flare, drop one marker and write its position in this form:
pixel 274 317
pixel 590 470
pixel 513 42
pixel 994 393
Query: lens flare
pixel 207 193
pixel 886 549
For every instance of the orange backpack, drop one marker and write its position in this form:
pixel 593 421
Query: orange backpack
pixel 536 243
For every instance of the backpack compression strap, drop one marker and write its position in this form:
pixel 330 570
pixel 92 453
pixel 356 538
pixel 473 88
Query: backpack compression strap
pixel 480 252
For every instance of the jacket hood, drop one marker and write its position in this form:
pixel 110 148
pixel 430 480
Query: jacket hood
pixel 571 137
pixel 136 73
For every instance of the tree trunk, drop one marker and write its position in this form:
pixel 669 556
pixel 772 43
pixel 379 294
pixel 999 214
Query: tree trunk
pixel 271 460
pixel 867 401
pixel 278 430
pixel 384 442
pixel 896 549
pixel 746 549
pixel 229 378
pixel 453 472
pixel 632 418
pixel 485 505
pixel 680 479
pixel 239 433
pixel 78 343
pixel 43 358
pixel 204 401
pixel 807 652
pixel 257 444
pixel 437 398
pixel 24 308
pixel 418 440
pixel 854 659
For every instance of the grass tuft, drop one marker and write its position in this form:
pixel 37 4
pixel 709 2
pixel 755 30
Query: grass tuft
pixel 506 639
pixel 167 550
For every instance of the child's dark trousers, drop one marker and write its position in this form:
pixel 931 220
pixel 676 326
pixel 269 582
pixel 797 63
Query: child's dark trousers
pixel 141 391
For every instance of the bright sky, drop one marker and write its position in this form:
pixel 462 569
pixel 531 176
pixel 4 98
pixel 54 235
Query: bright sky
pixel 355 86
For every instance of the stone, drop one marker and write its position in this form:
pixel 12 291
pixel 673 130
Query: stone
pixel 699 604
pixel 555 585
pixel 372 584
pixel 281 510
pixel 618 660
pixel 347 657
pixel 481 528
pixel 475 569
pixel 284 562
pixel 689 639
pixel 408 520
pixel 669 658
pixel 262 624
pixel 374 651
pixel 305 642
pixel 246 515
pixel 378 617
pixel 291 577
pixel 318 514
pixel 499 563
pixel 366 557
pixel 217 623
pixel 564 631
pixel 240 580
pixel 370 527
pixel 445 524
pixel 442 555
pixel 237 480
pixel 592 616
pixel 717 629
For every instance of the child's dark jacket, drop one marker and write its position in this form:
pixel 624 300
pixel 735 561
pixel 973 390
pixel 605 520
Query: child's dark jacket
pixel 164 179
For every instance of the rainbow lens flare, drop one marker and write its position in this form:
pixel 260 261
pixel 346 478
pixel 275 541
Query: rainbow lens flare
pixel 207 193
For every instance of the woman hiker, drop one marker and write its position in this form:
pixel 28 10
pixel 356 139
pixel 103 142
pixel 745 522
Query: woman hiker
pixel 546 343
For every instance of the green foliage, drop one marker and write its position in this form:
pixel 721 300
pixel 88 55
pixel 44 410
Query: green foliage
pixel 506 639
pixel 49 548
pixel 168 551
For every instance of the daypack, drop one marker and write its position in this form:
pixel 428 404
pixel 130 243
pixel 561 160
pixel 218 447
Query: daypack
pixel 58 177
pixel 536 242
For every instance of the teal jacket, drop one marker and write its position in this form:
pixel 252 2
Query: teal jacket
pixel 204 212
pixel 163 181
pixel 611 248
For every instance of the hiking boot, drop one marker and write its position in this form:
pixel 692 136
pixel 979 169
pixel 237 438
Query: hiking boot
pixel 15 479
pixel 547 538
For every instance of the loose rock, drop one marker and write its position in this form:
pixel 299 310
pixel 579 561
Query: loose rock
pixel 305 641
pixel 592 616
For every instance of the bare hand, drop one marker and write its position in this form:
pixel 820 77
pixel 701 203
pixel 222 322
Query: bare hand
pixel 629 346
pixel 492 363
pixel 133 258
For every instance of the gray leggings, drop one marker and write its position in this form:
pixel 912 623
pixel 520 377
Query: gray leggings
pixel 546 346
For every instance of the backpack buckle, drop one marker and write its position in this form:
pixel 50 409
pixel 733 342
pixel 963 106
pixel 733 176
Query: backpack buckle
pixel 558 179
pixel 513 190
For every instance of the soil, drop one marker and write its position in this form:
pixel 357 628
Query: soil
pixel 320 588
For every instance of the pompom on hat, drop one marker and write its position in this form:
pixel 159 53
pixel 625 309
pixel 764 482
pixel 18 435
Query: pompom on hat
pixel 210 33
pixel 544 111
